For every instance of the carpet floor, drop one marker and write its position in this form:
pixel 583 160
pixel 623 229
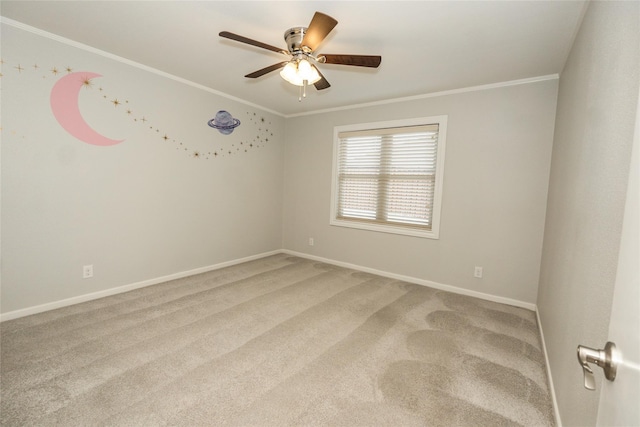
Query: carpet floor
pixel 274 342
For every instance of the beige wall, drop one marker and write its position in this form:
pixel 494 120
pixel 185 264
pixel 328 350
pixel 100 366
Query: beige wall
pixel 139 210
pixel 493 205
pixel 597 102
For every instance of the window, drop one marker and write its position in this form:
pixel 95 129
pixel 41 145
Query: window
pixel 388 176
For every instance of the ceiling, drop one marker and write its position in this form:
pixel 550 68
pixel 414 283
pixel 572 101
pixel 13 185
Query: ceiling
pixel 426 46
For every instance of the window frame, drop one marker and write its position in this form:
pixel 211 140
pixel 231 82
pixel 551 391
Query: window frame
pixel 408 230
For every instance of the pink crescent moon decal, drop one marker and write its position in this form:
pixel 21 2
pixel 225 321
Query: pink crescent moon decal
pixel 64 104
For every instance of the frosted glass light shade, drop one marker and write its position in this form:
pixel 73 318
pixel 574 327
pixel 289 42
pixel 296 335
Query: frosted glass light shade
pixel 313 75
pixel 289 72
pixel 304 69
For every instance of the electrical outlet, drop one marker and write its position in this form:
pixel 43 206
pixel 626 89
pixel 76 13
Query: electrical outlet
pixel 477 272
pixel 87 271
pixel 311 242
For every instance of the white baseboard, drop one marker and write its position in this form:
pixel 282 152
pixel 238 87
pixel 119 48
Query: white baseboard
pixel 552 389
pixel 120 289
pixel 435 285
pixel 126 288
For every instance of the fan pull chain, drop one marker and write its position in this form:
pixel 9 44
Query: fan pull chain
pixel 303 91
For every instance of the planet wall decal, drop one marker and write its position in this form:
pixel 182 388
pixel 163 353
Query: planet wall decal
pixel 224 122
pixel 64 104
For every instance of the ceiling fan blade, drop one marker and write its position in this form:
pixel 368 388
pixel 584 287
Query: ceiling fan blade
pixel 372 61
pixel 246 40
pixel 266 70
pixel 320 26
pixel 322 83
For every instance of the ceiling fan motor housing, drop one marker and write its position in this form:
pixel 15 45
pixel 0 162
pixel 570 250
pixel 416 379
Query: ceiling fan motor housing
pixel 293 37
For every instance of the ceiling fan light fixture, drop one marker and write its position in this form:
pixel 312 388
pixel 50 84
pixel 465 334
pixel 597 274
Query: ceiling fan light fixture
pixel 297 72
pixel 300 67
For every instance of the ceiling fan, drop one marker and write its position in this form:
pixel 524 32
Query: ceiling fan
pixel 300 68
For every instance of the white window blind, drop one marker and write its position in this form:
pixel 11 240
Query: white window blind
pixel 387 176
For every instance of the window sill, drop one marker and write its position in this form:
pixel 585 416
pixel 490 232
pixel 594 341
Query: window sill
pixel 406 231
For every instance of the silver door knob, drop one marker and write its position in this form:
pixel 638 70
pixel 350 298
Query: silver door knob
pixel 606 359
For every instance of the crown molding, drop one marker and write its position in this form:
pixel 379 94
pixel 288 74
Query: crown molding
pixel 433 95
pixel 126 61
pixel 138 65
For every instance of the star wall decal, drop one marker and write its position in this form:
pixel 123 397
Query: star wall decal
pixel 257 138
